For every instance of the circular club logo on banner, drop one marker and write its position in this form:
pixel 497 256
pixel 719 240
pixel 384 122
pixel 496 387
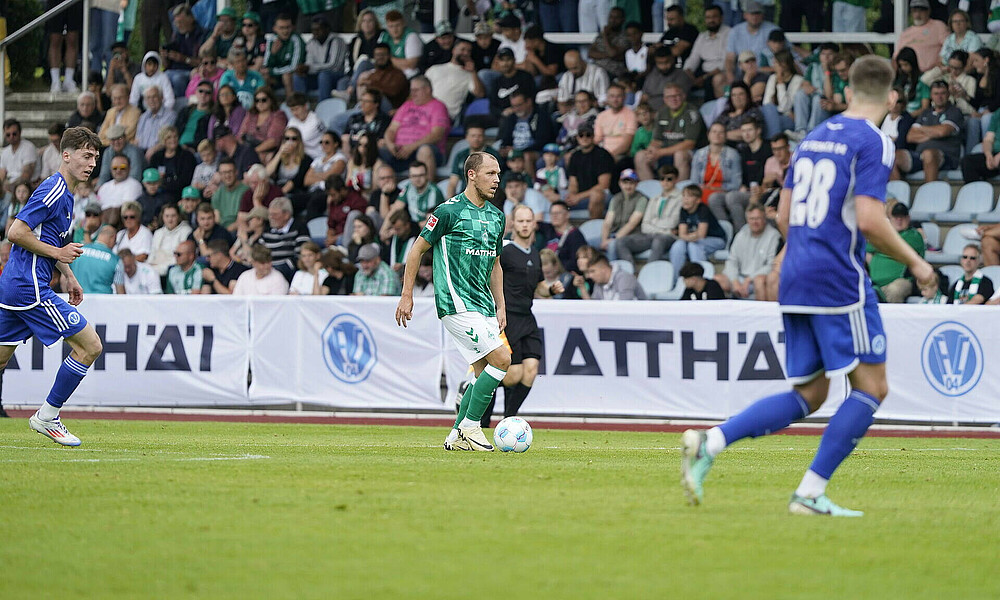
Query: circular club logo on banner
pixel 952 358
pixel 349 348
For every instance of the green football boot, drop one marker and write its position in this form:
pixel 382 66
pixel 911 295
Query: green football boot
pixel 695 463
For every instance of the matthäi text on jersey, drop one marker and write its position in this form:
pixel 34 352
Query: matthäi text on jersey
pixel 474 252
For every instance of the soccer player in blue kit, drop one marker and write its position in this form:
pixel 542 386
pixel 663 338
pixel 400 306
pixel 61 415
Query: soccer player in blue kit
pixel 832 201
pixel 28 306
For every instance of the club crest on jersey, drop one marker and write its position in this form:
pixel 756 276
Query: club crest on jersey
pixel 73 318
pixel 952 359
pixel 432 221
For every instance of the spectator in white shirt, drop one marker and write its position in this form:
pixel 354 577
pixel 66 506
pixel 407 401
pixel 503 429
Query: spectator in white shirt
pixel 135 236
pixel 134 277
pixel 307 122
pixel 166 238
pixel 118 191
pixel 510 37
pixel 308 280
pixel 263 279
pixel 751 256
pixel 18 157
pixel 707 62
pixel 581 75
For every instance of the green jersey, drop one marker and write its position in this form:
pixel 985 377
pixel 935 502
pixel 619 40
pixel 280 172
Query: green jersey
pixel 467 240
pixel 421 203
pixel 180 281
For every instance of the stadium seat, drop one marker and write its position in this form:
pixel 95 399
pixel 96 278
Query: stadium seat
pixel 900 190
pixel 953 175
pixel 650 187
pixel 951 251
pixel 317 230
pixel 991 217
pixel 443 186
pixel 709 268
pixel 286 110
pixel 932 235
pixel 724 253
pixel 993 272
pixel 445 169
pixel 624 265
pixel 973 199
pixel 479 106
pixel 952 272
pixel 932 198
pixel 327 109
pixel 657 279
pixel 711 110
pixel 591 231
pixel 535 198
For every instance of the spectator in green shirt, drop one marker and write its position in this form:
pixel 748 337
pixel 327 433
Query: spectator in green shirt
pixel 284 53
pixel 95 268
pixel 226 197
pixel 889 276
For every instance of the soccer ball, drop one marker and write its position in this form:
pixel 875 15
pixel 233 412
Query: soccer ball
pixel 513 434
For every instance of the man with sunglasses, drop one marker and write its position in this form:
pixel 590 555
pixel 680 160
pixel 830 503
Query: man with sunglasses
pixel 18 157
pixel 120 146
pixel 121 189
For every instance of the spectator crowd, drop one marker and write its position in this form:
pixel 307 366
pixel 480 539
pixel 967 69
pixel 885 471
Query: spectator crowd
pixel 266 153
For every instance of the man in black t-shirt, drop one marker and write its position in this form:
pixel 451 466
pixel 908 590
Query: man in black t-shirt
pixel 753 154
pixel 385 192
pixel 511 80
pixel 696 287
pixel 522 280
pixel 544 59
pixel 222 272
pixel 679 36
pixel 589 172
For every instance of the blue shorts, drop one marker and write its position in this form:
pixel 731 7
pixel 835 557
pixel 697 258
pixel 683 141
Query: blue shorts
pixel 50 321
pixel 833 343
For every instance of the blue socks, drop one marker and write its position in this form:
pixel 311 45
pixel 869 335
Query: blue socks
pixel 845 430
pixel 766 416
pixel 70 374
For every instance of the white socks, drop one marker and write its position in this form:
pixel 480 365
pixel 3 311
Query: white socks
pixel 70 73
pixel 467 422
pixel 47 412
pixel 812 485
pixel 452 436
pixel 715 442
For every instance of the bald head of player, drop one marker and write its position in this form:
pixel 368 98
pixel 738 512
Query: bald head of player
pixel 483 172
pixel 869 92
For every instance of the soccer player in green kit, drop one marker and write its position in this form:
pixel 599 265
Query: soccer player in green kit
pixel 466 233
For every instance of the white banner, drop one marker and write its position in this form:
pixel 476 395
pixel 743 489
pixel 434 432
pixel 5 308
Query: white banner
pixel 158 351
pixel 345 352
pixel 711 359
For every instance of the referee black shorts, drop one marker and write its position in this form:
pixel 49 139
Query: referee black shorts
pixel 524 338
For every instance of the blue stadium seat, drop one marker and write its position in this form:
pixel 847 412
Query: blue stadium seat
pixel 932 234
pixel 724 253
pixel 624 265
pixel 443 186
pixel 657 279
pixel 952 272
pixel 327 109
pixel 317 230
pixel 993 272
pixel 973 199
pixel 932 198
pixel 591 231
pixel 650 187
pixel 991 217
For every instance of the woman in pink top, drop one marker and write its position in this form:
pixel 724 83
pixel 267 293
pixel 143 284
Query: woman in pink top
pixel 208 69
pixel 264 125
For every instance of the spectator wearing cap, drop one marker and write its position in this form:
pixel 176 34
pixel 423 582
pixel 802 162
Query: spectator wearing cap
pixel 707 62
pixel 750 35
pixel 284 53
pixel 404 44
pixel 485 49
pixel 526 127
pixel 121 113
pixel 284 237
pixel 696 287
pixel 192 120
pixel 134 235
pixel 624 213
pixel 890 277
pixel 418 129
pixel 151 121
pixel 223 35
pixel 581 75
pixel 263 279
pixel 120 147
pixel 385 78
pixel 590 169
pixel 252 40
pixel 454 80
pixel 325 63
pixel 121 188
pixel 240 153
pixel 509 79
pixel 926 36
pixel 134 277
pixel 615 125
pixel 551 178
pixel 244 81
pixel 87 231
pixel 374 278
pixel 166 238
pixel 181 53
pixel 208 228
pixel 438 51
pixel 153 198
pixel 475 136
pixel 608 49
pixel 343 205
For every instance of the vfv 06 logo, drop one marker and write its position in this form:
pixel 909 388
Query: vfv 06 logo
pixel 349 348
pixel 952 358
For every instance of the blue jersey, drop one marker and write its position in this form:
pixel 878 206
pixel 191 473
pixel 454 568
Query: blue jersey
pixel 49 213
pixel 824 267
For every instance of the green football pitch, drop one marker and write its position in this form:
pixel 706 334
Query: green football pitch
pixel 213 510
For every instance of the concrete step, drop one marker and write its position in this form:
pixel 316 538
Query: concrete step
pixel 48 115
pixel 40 98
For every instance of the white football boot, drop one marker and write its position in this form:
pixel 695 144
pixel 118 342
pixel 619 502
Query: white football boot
pixel 54 430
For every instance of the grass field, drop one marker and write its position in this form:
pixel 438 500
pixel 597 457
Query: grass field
pixel 178 510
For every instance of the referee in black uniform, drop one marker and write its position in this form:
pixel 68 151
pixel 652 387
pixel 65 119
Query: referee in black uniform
pixel 522 280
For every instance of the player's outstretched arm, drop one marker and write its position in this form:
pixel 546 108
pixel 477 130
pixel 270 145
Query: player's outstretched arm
pixel 496 287
pixel 879 231
pixel 22 235
pixel 404 310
